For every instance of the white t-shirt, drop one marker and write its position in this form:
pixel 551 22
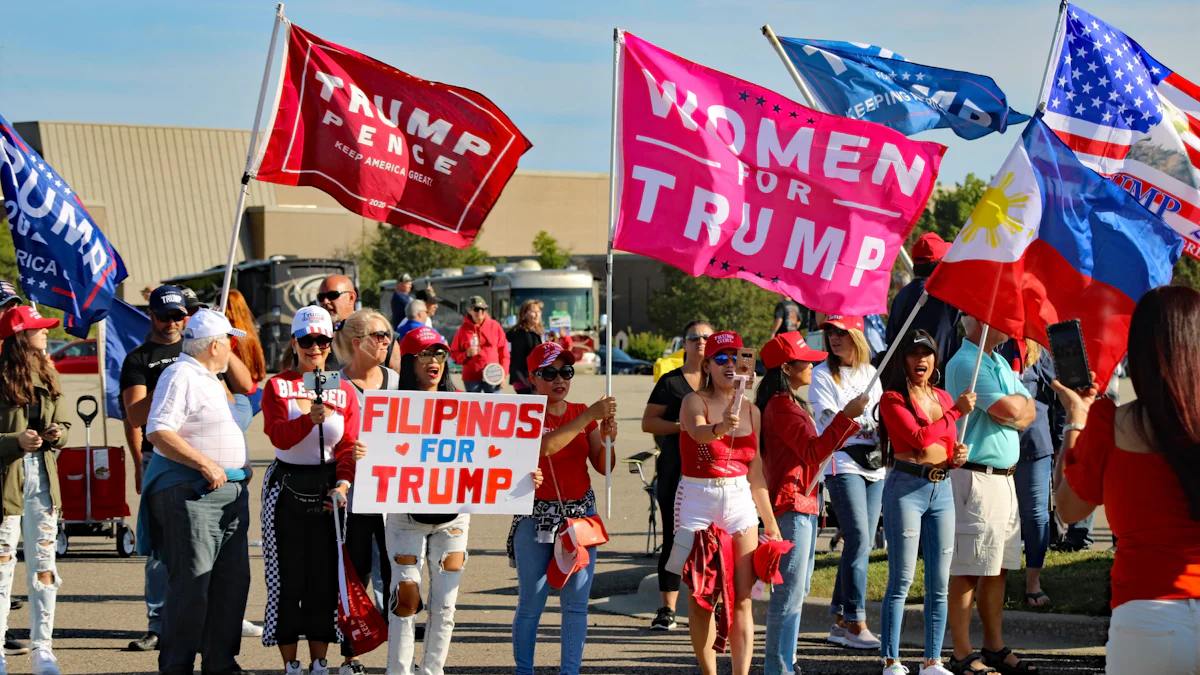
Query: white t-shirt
pixel 190 401
pixel 828 398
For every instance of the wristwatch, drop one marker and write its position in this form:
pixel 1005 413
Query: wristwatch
pixel 1072 427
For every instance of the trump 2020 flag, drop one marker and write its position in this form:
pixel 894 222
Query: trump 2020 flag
pixel 1052 240
pixel 721 177
pixel 64 260
pixel 1129 117
pixel 876 84
pixel 428 157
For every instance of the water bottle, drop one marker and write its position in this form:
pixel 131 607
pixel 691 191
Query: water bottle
pixel 475 340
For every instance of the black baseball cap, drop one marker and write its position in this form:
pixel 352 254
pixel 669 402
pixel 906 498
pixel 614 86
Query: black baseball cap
pixel 427 296
pixel 167 299
pixel 8 294
pixel 191 301
pixel 921 339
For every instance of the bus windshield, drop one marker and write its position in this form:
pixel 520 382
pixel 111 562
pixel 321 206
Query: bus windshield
pixel 573 302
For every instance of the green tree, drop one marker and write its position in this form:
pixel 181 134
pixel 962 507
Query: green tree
pixel 728 304
pixel 394 251
pixel 550 255
pixel 9 272
pixel 949 208
pixel 1187 272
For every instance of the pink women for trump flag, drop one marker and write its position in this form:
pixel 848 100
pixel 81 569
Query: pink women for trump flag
pixel 724 178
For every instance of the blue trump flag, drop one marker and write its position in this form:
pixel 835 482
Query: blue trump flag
pixel 127 328
pixel 64 260
pixel 875 84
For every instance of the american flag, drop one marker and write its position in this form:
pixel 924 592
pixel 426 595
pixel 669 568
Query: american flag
pixel 1128 117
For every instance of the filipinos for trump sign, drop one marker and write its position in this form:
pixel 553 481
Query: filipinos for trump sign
pixel 441 452
pixel 425 156
pixel 724 178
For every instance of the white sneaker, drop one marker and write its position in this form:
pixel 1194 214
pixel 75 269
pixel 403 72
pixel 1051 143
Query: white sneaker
pixel 44 662
pixel 293 668
pixel 837 635
pixel 895 669
pixel 352 668
pixel 935 669
pixel 250 629
pixel 864 640
pixel 319 667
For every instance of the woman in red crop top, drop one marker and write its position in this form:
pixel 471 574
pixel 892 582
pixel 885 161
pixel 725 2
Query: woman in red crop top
pixel 793 456
pixel 315 445
pixel 722 485
pixel 1142 462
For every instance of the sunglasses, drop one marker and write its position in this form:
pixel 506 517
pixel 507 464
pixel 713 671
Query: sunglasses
pixel 439 355
pixel 381 336
pixel 724 358
pixel 308 341
pixel 698 337
pixel 479 309
pixel 834 330
pixel 173 317
pixel 550 374
pixel 331 295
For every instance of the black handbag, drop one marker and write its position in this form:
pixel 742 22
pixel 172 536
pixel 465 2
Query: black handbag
pixel 305 492
pixel 869 457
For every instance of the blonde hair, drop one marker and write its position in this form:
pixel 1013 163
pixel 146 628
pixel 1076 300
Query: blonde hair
pixel 528 325
pixel 1033 352
pixel 357 325
pixel 862 354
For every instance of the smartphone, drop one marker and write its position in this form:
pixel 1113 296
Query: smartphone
pixel 327 379
pixel 746 360
pixel 1070 355
pixel 53 428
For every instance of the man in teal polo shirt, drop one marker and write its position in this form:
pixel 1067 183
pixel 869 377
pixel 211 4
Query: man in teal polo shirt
pixel 987 528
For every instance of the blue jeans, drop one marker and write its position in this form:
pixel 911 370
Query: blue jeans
pixel 532 590
pixel 917 513
pixel 1033 501
pixel 155 584
pixel 856 501
pixel 787 599
pixel 480 387
pixel 1080 534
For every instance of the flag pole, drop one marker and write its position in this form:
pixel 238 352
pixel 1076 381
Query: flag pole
pixel 962 432
pixel 1055 45
pixel 101 337
pixel 811 101
pixel 896 342
pixel 608 269
pixel 245 186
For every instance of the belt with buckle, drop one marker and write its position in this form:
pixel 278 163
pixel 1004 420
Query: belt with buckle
pixel 990 470
pixel 931 473
pixel 714 482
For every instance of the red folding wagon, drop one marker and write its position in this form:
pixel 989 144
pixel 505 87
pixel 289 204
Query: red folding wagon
pixel 92 483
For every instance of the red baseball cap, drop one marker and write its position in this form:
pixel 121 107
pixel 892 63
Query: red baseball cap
pixel 722 341
pixel 23 317
pixel 547 353
pixel 929 248
pixel 843 322
pixel 788 347
pixel 420 339
pixel 767 557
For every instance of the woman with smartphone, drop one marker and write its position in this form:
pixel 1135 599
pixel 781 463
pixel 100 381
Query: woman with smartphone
pixel 315 443
pixel 722 485
pixel 32 426
pixel 661 418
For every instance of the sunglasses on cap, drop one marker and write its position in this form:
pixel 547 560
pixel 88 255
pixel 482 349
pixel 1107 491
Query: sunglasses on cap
pixel 724 358
pixel 171 317
pixel 549 374
pixel 322 341
pixel 698 337
pixel 331 295
pixel 440 355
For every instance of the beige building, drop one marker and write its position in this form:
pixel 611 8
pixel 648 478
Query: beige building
pixel 165 197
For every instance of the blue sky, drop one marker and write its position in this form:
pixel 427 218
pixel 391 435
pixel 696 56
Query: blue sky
pixel 547 64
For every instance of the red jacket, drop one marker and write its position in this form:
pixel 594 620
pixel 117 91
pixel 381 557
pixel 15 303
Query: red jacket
pixel 908 432
pixel 793 454
pixel 493 347
pixel 709 573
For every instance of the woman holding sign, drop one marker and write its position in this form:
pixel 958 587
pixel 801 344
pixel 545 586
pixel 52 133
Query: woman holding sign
pixel 315 444
pixel 573 437
pixel 722 487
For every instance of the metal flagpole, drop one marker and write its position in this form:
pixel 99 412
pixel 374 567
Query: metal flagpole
pixel 245 187
pixel 896 343
pixel 101 335
pixel 962 433
pixel 1055 46
pixel 811 101
pixel 608 270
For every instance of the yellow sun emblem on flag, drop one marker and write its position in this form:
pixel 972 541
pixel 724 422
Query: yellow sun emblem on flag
pixel 992 213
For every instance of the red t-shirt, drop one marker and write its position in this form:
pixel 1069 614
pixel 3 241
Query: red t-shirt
pixel 570 464
pixel 1158 545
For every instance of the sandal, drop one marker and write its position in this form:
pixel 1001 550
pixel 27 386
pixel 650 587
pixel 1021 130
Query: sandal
pixel 1031 599
pixel 995 659
pixel 964 666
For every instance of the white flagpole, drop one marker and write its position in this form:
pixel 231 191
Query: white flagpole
pixel 1055 46
pixel 896 342
pixel 962 433
pixel 245 186
pixel 101 356
pixel 811 101
pixel 608 270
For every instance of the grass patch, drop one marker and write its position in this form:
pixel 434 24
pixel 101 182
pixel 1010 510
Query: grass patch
pixel 1077 583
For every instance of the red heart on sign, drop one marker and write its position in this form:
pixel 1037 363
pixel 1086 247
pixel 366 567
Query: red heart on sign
pixel 402 448
pixel 493 451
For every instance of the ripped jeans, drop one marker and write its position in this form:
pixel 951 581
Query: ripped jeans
pixel 39 528
pixel 418 544
pixel 916 512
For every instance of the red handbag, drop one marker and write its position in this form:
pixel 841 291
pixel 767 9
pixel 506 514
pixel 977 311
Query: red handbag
pixel 359 621
pixel 589 530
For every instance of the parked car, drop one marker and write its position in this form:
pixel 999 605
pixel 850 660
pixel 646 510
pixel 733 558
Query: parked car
pixel 53 344
pixel 623 364
pixel 76 358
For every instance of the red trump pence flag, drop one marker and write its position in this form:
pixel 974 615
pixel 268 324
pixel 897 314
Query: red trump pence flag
pixel 425 156
pixel 724 178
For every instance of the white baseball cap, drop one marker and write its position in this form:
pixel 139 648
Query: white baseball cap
pixel 206 323
pixel 312 319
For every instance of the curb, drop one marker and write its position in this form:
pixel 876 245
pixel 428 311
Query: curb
pixel 1025 630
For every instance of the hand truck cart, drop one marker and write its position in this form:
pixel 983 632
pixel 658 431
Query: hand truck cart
pixel 92 483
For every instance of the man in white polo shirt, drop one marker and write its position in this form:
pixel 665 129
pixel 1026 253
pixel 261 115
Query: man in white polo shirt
pixel 199 510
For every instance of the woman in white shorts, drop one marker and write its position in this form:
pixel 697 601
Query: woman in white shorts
pixel 722 485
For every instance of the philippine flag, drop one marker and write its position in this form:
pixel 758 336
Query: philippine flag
pixel 1052 240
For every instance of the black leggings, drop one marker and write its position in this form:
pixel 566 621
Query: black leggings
pixel 361 531
pixel 308 590
pixel 664 494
